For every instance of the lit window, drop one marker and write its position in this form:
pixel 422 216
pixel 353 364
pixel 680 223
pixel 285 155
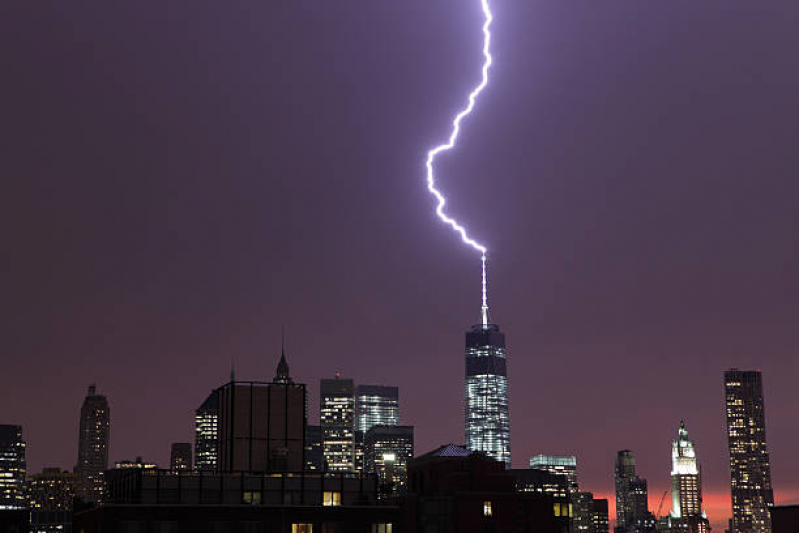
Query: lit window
pixel 301 528
pixel 253 498
pixel 487 511
pixel 331 499
pixel 382 528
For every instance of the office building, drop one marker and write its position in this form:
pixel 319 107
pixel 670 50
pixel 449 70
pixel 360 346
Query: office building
pixel 12 468
pixel 206 434
pixel 376 404
pixel 601 523
pixel 337 419
pixel 138 463
pixel 180 456
pixel 632 497
pixel 487 416
pixel 387 450
pixel 686 489
pixel 50 496
pixel 590 514
pixel 784 518
pixel 750 468
pixel 561 465
pixel 313 448
pixel 93 440
pixel 262 425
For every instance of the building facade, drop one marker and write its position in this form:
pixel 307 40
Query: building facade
pixel 93 441
pixel 561 465
pixel 206 434
pixel 180 456
pixel 686 489
pixel 750 468
pixel 50 496
pixel 376 405
pixel 387 451
pixel 487 411
pixel 313 448
pixel 12 468
pixel 337 420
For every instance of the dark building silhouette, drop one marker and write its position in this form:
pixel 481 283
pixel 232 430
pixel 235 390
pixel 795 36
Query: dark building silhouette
pixel 180 456
pixel 590 514
pixel 50 497
pixel 600 516
pixel 337 419
pixel 452 489
pixel 487 413
pixel 262 425
pixel 784 518
pixel 750 468
pixel 206 434
pixel 93 441
pixel 12 468
pixel 313 448
pixel 387 450
pixel 625 474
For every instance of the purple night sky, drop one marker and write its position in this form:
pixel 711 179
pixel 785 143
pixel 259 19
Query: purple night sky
pixel 180 179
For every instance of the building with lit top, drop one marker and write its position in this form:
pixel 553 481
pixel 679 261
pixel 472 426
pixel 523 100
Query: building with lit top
pixel 750 468
pixel 12 468
pixel 376 405
pixel 50 496
pixel 686 490
pixel 337 419
pixel 561 465
pixel 387 450
pixel 93 440
pixel 206 434
pixel 487 415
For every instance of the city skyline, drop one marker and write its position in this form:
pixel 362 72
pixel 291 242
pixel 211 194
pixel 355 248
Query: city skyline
pixel 173 201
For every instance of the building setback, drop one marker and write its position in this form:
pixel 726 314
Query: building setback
pixel 750 468
pixel 12 468
pixel 487 421
pixel 93 440
pixel 337 419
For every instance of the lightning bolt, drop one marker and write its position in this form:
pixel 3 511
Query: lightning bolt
pixel 450 144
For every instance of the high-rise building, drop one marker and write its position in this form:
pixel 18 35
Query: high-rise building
pixel 93 441
pixel 686 489
pixel 561 465
pixel 313 448
pixel 376 404
pixel 206 434
pixel 487 415
pixel 12 468
pixel 387 450
pixel 600 516
pixel 262 425
pixel 180 456
pixel 50 496
pixel 750 469
pixel 625 474
pixel 337 417
pixel 590 514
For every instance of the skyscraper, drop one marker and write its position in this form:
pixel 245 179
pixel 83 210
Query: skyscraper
pixel 562 465
pixel 387 450
pixel 262 425
pixel 206 434
pixel 93 440
pixel 337 418
pixel 180 456
pixel 376 404
pixel 313 448
pixel 750 469
pixel 487 416
pixel 625 474
pixel 12 468
pixel 50 496
pixel 686 489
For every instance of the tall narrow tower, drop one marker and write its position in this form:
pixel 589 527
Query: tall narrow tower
pixel 750 470
pixel 686 489
pixel 95 428
pixel 487 417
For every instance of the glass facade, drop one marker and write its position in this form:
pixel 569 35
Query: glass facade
pixel 487 415
pixel 376 404
pixel 206 434
pixel 750 469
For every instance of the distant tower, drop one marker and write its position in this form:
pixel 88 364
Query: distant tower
pixel 376 405
pixel 632 506
pixel 337 417
pixel 487 416
pixel 750 470
pixel 206 434
pixel 93 440
pixel 561 465
pixel 686 489
pixel 180 457
pixel 12 467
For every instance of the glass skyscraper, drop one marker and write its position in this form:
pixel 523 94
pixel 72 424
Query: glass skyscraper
pixel 12 468
pixel 487 417
pixel 376 405
pixel 206 434
pixel 750 470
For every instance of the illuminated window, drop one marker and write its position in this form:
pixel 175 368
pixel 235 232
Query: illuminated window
pixel 487 511
pixel 382 528
pixel 301 528
pixel 331 499
pixel 253 498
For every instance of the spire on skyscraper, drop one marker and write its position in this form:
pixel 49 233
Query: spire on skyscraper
pixel 282 373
